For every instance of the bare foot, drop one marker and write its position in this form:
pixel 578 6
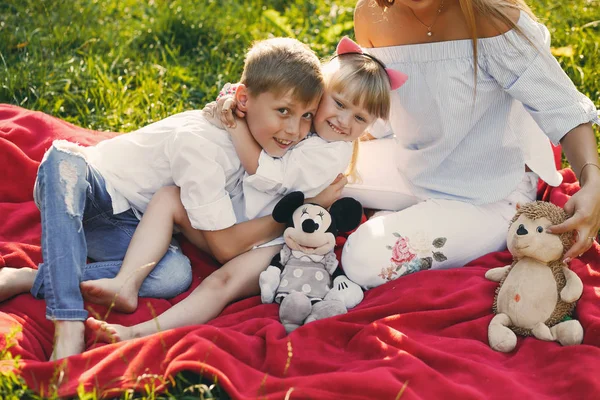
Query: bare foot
pixel 109 333
pixel 14 281
pixel 111 293
pixel 68 339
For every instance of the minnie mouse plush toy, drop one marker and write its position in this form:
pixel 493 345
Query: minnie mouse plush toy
pixel 300 277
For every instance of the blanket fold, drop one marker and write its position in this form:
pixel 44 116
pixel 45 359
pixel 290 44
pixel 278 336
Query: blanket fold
pixel 423 335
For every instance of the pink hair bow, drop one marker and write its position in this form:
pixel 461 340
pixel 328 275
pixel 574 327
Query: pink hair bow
pixel 348 46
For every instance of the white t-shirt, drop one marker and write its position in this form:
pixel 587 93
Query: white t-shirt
pixel 184 150
pixel 460 142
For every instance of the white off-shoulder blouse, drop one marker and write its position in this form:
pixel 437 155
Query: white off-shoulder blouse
pixel 458 141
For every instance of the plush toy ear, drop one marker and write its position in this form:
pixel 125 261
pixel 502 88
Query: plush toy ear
pixel 347 213
pixel 287 205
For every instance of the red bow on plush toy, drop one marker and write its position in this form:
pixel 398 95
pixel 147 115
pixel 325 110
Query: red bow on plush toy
pixel 347 46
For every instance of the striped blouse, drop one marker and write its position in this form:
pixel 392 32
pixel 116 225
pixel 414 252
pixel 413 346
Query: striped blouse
pixel 459 143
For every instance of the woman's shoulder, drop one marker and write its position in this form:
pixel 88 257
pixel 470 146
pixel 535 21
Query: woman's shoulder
pixel 366 14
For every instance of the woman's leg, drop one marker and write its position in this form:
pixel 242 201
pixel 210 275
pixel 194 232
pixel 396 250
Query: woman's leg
pixel 150 246
pixel 434 234
pixel 235 280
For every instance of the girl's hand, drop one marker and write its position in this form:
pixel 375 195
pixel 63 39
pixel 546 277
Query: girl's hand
pixel 220 114
pixel 226 107
pixel 210 113
pixel 331 193
pixel 584 208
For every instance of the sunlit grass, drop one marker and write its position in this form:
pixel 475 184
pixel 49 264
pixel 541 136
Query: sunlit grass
pixel 118 65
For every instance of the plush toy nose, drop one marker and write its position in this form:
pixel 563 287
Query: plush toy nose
pixel 522 231
pixel 309 226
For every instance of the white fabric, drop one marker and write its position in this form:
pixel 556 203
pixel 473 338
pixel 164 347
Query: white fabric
pixel 183 150
pixel 380 184
pixel 435 233
pixel 460 143
pixel 309 167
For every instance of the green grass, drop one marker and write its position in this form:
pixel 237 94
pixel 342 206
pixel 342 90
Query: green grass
pixel 118 65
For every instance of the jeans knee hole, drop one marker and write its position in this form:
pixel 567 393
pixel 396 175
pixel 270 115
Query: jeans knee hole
pixel 68 177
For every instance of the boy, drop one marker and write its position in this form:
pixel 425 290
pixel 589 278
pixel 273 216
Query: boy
pixel 91 198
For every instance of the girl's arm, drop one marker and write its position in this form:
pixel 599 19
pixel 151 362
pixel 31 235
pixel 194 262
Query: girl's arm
pixel 219 113
pixel 581 149
pixel 247 149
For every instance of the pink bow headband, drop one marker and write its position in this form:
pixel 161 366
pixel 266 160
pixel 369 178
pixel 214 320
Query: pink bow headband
pixel 347 46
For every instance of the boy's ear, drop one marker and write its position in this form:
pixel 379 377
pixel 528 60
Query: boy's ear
pixel 241 97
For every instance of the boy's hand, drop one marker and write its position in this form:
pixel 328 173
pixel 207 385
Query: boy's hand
pixel 331 193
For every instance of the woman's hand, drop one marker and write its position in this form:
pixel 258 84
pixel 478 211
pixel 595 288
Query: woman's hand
pixel 331 193
pixel 581 149
pixel 584 209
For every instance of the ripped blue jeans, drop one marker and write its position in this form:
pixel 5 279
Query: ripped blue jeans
pixel 77 223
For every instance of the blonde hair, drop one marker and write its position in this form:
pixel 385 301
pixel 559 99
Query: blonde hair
pixel 493 10
pixel 282 64
pixel 366 84
pixel 351 172
pixel 362 80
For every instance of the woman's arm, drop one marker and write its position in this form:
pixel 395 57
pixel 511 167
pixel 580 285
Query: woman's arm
pixel 581 149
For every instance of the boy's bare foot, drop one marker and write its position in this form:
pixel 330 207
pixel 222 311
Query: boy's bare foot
pixel 14 281
pixel 68 339
pixel 111 293
pixel 109 333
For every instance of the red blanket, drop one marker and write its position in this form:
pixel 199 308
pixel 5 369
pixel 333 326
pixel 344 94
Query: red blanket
pixel 427 330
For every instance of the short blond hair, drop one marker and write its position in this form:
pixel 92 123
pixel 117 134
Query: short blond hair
pixel 362 79
pixel 281 65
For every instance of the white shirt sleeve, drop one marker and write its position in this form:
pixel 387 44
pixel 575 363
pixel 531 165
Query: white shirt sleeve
pixel 381 129
pixel 530 74
pixel 309 167
pixel 197 168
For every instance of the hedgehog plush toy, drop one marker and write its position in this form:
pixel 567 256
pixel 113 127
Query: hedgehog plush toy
pixel 304 277
pixel 537 292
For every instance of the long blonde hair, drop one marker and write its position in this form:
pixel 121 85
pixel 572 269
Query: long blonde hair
pixel 493 10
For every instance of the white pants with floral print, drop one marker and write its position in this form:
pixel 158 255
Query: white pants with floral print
pixel 433 234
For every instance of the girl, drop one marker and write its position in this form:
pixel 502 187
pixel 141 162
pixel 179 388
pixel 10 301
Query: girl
pixel 357 88
pixel 483 86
